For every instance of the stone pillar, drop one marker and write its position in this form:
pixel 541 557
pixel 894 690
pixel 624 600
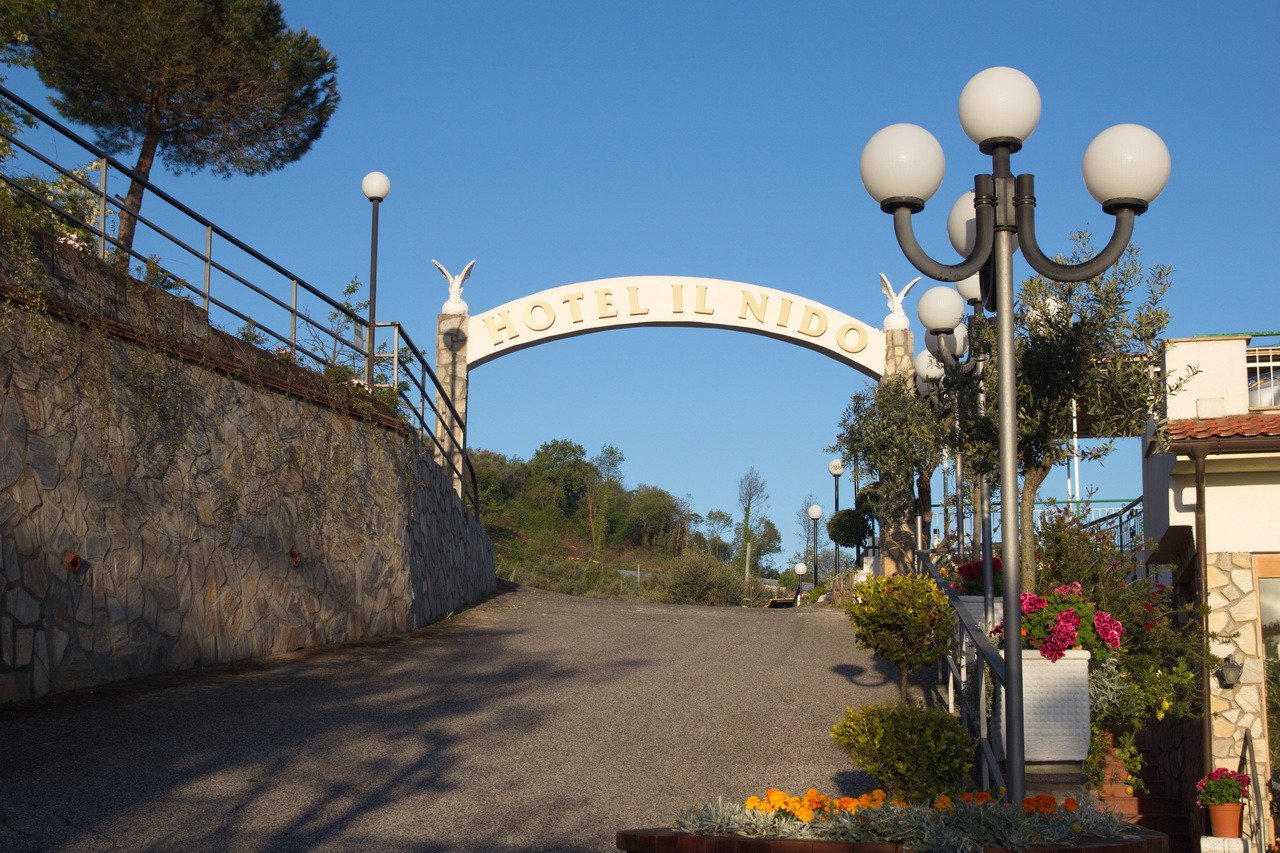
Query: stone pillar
pixel 1233 613
pixel 898 358
pixel 451 370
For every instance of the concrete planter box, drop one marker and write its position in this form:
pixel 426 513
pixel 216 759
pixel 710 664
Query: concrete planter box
pixel 973 607
pixel 1055 704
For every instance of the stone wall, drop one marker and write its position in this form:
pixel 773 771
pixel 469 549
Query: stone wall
pixel 222 502
pixel 1233 614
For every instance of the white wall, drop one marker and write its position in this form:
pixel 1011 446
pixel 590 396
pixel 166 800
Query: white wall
pixel 1221 387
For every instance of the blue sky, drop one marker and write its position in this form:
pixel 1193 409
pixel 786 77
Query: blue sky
pixel 558 142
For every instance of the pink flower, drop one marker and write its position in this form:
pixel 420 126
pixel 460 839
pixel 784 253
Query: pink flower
pixel 1108 627
pixel 1032 603
pixel 1072 588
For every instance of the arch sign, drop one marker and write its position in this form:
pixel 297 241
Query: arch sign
pixel 660 300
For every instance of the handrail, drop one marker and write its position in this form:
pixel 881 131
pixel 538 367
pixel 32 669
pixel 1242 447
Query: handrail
pixel 453 426
pixel 1098 522
pixel 1259 823
pixel 978 720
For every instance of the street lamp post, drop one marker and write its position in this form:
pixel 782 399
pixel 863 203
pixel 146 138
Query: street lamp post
pixel 376 187
pixel 836 467
pixel 800 570
pixel 815 513
pixel 1125 168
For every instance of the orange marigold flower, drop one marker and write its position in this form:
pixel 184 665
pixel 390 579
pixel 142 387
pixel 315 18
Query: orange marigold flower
pixel 802 813
pixel 1075 827
pixel 1046 804
pixel 1029 805
pixel 943 803
pixel 983 798
pixel 1070 805
pixel 814 800
pixel 753 802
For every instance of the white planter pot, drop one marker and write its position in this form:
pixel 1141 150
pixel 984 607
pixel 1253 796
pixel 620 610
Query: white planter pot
pixel 974 607
pixel 1055 706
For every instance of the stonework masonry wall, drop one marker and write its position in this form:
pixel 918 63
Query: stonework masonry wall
pixel 215 516
pixel 1233 613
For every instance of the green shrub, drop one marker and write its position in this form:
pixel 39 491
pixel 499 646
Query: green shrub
pixel 905 619
pixel 917 753
pixel 696 577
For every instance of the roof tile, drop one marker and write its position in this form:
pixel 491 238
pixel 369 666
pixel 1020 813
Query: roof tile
pixel 1231 426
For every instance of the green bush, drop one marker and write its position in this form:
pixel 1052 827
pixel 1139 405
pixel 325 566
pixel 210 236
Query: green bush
pixel 696 577
pixel 905 619
pixel 917 753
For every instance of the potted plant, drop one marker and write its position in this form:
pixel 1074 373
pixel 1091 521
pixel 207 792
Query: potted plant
pixel 968 584
pixel 1061 631
pixel 1222 792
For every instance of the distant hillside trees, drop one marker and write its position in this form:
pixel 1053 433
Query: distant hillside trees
pixel 560 503
pixel 200 85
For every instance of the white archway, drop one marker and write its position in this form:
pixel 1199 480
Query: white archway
pixel 613 303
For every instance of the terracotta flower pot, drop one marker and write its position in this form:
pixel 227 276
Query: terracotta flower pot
pixel 1224 819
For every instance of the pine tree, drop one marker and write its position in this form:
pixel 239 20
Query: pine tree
pixel 200 84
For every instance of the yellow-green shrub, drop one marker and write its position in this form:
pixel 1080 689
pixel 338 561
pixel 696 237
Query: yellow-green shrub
pixel 917 753
pixel 905 619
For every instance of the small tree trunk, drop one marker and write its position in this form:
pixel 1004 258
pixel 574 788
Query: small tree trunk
pixel 1031 482
pixel 924 488
pixel 903 675
pixel 133 200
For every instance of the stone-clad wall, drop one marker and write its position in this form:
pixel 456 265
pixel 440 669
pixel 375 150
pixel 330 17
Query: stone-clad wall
pixel 1233 615
pixel 215 517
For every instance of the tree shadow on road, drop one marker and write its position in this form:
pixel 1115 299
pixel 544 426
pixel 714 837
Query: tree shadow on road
pixel 353 748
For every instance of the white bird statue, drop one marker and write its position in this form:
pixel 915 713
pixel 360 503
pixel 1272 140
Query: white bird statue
pixel 454 305
pixel 897 318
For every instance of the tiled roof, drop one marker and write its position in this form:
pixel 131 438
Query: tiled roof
pixel 1231 426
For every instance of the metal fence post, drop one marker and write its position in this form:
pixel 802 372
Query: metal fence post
pixel 293 316
pixel 102 208
pixel 208 263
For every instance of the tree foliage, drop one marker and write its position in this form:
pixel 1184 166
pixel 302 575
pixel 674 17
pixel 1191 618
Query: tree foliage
pixel 222 85
pixel 904 619
pixel 898 437
pixel 1096 342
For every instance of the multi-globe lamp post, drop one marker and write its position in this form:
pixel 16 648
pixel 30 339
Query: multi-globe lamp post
pixel 376 187
pixel 1125 168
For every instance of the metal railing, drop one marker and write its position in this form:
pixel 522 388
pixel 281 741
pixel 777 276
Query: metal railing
pixel 1125 525
pixel 975 660
pixel 1257 805
pixel 1263 371
pixel 266 303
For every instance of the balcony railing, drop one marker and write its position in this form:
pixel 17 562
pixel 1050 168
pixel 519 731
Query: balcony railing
pixel 237 283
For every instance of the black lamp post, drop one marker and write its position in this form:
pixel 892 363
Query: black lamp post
pixel 836 467
pixel 1125 168
pixel 376 187
pixel 815 513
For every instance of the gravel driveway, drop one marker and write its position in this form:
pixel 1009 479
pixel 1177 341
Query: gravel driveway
pixel 533 722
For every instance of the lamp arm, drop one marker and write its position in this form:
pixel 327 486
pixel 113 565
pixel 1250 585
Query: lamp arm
pixel 985 223
pixel 1024 203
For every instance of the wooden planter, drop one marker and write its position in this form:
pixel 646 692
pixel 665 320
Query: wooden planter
pixel 672 841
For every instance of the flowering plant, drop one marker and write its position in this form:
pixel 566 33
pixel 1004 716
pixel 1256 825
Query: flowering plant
pixel 970 574
pixel 1064 620
pixel 970 821
pixel 1222 786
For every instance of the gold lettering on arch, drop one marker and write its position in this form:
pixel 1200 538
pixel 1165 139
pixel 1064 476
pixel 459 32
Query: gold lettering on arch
pixel 809 327
pixel 757 309
pixel 548 316
pixel 842 338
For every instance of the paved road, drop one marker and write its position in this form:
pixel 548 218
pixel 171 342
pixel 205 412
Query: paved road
pixel 534 722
